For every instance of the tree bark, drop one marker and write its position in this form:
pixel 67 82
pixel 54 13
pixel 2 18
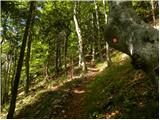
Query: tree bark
pixel 20 63
pixel 98 30
pixel 57 56
pixel 80 41
pixel 27 65
pixel 153 12
pixel 14 66
pixel 28 53
pixel 6 79
pixel 27 80
pixel 127 33
pixel 108 58
pixel 66 49
pixel 93 39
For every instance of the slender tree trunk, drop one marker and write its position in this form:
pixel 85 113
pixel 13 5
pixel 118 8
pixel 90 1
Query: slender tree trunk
pixel 99 40
pixel 27 80
pixel 93 52
pixel 28 54
pixel 46 72
pixel 6 79
pixel 93 40
pixel 20 63
pixel 5 82
pixel 65 50
pixel 60 58
pixel 108 58
pixel 72 67
pixel 80 41
pixel 153 12
pixel 48 65
pixel 57 56
pixel 14 66
pixel 65 55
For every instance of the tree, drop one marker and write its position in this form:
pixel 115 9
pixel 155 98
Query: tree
pixel 80 41
pixel 153 12
pixel 30 34
pixel 107 45
pixel 126 32
pixel 93 39
pixel 98 30
pixel 20 62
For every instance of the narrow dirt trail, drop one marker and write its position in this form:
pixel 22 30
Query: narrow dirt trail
pixel 74 104
pixel 61 102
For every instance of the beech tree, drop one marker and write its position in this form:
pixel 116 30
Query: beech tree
pixel 80 40
pixel 98 30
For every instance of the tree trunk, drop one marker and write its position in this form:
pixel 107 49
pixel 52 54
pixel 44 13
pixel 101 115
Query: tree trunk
pixel 72 67
pixel 153 12
pixel 80 41
pixel 27 64
pixel 65 55
pixel 127 33
pixel 98 30
pixel 58 52
pixel 20 63
pixel 8 76
pixel 93 40
pixel 57 55
pixel 65 49
pixel 6 79
pixel 14 66
pixel 28 54
pixel 93 52
pixel 108 58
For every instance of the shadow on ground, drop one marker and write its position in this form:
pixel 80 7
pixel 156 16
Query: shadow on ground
pixel 119 92
pixel 63 102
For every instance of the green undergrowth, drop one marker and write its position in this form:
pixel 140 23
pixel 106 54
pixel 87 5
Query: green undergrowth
pixel 120 91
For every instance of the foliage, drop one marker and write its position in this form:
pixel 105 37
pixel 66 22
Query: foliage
pixel 55 43
pixel 143 9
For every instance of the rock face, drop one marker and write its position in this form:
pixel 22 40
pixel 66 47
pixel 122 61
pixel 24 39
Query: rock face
pixel 126 32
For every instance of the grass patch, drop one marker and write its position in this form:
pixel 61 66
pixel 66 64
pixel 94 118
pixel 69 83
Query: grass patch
pixel 119 92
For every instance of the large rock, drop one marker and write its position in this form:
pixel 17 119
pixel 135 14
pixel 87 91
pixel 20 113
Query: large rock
pixel 126 32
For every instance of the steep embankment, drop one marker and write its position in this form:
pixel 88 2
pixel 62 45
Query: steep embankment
pixel 122 92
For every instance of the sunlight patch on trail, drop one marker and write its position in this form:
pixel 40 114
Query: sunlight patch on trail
pixel 79 90
pixel 102 66
pixel 112 114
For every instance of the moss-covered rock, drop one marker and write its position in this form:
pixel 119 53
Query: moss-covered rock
pixel 133 36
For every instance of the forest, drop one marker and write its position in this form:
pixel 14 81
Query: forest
pixel 67 59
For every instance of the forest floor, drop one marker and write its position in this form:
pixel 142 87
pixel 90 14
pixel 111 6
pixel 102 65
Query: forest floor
pixel 62 100
pixel 118 91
